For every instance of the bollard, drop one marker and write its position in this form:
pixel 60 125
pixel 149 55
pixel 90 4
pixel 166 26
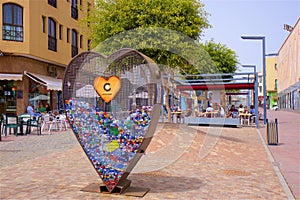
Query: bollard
pixel 272 132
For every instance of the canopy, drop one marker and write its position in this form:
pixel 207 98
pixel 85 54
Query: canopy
pixel 225 86
pixel 50 82
pixel 40 97
pixel 9 77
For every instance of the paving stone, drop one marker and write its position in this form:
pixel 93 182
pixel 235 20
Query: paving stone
pixel 198 163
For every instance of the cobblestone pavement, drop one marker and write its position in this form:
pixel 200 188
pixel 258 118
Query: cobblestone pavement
pixel 181 163
pixel 287 153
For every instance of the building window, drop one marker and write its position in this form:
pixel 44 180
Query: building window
pixel 12 28
pixel 260 89
pixel 81 42
pixel 276 84
pixel 60 31
pixel 89 45
pixel 43 24
pixel 51 34
pixel 275 66
pixel 74 9
pixel 74 43
pixel 52 3
pixel 68 35
pixel 80 4
pixel 88 13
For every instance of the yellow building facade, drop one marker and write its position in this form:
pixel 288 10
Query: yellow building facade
pixel 271 80
pixel 38 38
pixel 288 63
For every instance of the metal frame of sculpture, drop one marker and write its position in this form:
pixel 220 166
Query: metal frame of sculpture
pixel 114 133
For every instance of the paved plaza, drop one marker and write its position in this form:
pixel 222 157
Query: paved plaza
pixel 181 162
pixel 287 153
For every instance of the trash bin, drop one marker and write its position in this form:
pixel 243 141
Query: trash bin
pixel 272 132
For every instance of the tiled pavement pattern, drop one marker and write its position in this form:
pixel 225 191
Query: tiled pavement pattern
pixel 287 153
pixel 234 165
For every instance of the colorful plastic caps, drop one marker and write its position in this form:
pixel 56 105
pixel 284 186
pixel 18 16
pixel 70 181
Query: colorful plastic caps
pixel 108 142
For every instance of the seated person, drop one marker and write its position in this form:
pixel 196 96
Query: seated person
pixel 209 109
pixel 221 111
pixel 203 113
pixel 232 112
pixel 30 109
pixel 48 109
pixel 41 108
pixel 252 112
pixel 241 108
pixel 246 110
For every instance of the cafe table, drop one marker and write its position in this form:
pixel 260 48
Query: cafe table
pixel 178 115
pixel 245 117
pixel 23 118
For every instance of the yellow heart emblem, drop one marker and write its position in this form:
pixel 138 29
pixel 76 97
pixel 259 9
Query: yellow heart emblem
pixel 107 88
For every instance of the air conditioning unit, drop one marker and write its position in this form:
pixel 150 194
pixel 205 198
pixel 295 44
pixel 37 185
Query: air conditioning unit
pixel 51 69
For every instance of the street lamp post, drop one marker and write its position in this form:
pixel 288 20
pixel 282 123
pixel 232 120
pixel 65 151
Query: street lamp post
pixel 255 92
pixel 264 69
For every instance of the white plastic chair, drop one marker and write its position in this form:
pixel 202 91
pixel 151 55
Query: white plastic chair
pixel 49 121
pixel 61 121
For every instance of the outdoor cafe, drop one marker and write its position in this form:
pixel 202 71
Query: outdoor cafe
pixel 207 100
pixel 25 123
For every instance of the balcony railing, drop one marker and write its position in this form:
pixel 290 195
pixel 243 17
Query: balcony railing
pixel 52 3
pixel 74 12
pixel 12 32
pixel 52 43
pixel 74 51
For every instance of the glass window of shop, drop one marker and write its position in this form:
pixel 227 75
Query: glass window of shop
pixel 8 100
pixel 38 93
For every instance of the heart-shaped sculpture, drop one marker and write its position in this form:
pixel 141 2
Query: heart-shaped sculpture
pixel 107 88
pixel 114 132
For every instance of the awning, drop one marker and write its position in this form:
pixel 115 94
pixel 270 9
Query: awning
pixel 226 86
pixel 50 82
pixel 40 97
pixel 13 77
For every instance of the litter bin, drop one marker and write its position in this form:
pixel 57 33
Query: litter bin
pixel 272 132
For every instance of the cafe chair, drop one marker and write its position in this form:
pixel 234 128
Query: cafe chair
pixel 10 122
pixel 49 120
pixel 61 121
pixel 245 119
pixel 252 120
pixel 34 123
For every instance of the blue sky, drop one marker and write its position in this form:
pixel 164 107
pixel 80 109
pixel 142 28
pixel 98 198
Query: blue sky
pixel 233 18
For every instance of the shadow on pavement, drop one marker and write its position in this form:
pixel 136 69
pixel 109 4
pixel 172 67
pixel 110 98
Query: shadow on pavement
pixel 160 183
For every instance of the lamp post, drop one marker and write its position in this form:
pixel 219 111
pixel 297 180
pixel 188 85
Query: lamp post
pixel 255 92
pixel 264 69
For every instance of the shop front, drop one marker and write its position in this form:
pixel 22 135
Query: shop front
pixel 44 89
pixel 17 91
pixel 9 93
pixel 290 98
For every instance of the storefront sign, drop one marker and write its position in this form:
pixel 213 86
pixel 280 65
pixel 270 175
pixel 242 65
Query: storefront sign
pixel 19 94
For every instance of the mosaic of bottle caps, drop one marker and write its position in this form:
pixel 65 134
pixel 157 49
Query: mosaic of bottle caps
pixel 112 105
